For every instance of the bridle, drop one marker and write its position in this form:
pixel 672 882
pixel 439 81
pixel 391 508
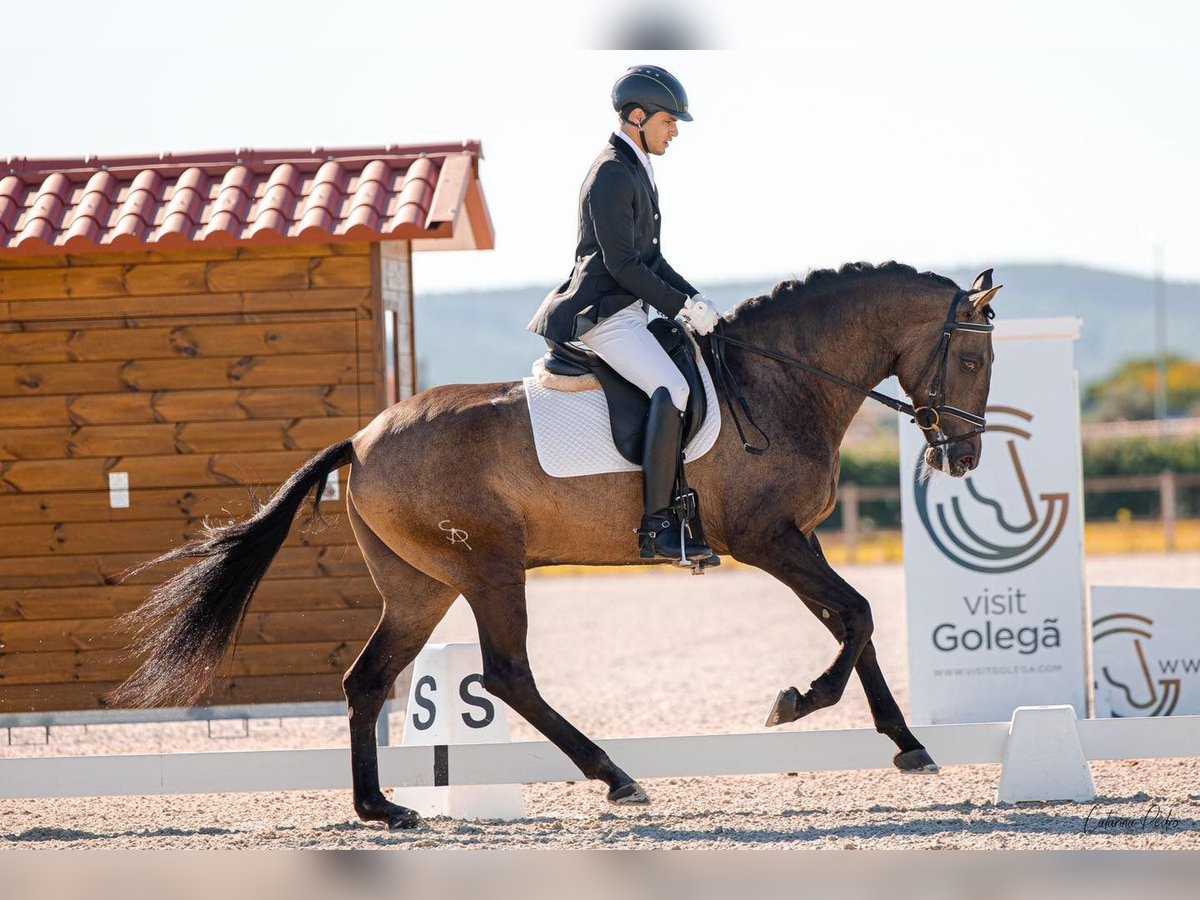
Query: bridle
pixel 928 417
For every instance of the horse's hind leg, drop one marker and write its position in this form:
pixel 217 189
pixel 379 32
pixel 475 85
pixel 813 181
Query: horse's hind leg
pixel 500 613
pixel 413 604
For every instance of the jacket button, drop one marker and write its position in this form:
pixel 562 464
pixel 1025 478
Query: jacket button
pixel 654 240
pixel 656 217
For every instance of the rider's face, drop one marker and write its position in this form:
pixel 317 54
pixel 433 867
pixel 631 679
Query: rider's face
pixel 660 130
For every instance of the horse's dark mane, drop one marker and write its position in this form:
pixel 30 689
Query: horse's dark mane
pixel 800 290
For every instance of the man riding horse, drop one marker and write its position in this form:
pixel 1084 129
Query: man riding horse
pixel 619 272
pixel 803 357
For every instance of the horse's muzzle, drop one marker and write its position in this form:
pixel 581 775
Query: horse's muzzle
pixel 964 457
pixel 955 459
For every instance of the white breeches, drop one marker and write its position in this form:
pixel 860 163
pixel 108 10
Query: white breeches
pixel 623 341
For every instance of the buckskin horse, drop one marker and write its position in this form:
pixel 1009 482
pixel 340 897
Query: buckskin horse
pixel 802 358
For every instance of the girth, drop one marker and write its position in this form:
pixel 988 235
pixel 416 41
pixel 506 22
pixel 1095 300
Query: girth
pixel 627 404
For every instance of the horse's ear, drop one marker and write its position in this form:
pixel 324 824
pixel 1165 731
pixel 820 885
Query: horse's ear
pixel 983 281
pixel 981 298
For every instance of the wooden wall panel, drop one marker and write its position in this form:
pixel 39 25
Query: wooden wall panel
pixel 171 375
pixel 170 305
pixel 180 341
pixel 338 561
pixel 170 503
pixel 209 376
pixel 287 627
pixel 330 657
pixel 393 273
pixel 186 276
pixel 188 469
pixel 176 320
pixel 148 537
pixel 193 253
pixel 84 441
pixel 89 695
pixel 107 601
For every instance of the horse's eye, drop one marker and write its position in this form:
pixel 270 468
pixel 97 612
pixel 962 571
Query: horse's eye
pixel 970 365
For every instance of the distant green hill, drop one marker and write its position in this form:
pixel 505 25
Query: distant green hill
pixel 480 336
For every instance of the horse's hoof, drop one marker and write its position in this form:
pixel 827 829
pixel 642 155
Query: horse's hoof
pixel 915 762
pixel 393 815
pixel 628 795
pixel 785 708
pixel 404 818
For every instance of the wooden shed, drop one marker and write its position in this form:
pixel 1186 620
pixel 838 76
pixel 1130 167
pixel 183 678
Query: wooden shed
pixel 176 333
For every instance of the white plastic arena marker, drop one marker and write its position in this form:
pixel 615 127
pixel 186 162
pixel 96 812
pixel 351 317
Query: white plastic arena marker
pixel 447 705
pixel 1044 759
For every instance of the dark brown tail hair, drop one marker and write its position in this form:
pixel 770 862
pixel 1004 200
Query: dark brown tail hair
pixel 189 621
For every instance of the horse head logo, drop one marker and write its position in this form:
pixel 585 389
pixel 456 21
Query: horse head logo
pixel 1131 685
pixel 977 531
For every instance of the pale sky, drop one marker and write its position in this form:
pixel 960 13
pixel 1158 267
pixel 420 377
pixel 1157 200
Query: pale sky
pixel 939 134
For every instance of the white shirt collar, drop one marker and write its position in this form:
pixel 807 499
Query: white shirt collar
pixel 641 155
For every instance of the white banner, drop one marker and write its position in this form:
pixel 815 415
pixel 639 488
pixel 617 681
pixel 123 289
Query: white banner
pixel 993 561
pixel 1146 651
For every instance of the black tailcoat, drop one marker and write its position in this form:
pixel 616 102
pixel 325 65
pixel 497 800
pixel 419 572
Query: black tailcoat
pixel 618 259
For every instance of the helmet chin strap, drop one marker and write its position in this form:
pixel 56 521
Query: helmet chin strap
pixel 641 127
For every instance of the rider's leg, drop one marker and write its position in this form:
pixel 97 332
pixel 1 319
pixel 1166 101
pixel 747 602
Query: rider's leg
pixel 624 342
pixel 661 533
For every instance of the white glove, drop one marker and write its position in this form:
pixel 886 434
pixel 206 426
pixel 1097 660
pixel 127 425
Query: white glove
pixel 699 314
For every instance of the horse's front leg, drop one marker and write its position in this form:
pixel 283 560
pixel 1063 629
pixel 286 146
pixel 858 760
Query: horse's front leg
pixel 791 558
pixel 911 754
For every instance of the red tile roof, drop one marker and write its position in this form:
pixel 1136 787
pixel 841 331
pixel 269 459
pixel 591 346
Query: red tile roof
pixel 426 193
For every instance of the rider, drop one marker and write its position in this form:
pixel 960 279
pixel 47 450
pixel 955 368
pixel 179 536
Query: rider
pixel 619 272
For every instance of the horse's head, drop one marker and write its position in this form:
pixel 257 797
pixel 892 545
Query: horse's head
pixel 945 366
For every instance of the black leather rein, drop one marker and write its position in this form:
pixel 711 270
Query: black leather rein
pixel 927 418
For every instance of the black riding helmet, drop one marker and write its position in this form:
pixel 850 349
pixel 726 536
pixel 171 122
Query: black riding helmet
pixel 652 88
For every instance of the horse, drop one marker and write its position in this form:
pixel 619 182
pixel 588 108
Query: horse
pixel 446 497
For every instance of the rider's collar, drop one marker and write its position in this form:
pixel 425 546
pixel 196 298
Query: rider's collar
pixel 645 160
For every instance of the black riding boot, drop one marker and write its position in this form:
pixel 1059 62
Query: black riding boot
pixel 660 531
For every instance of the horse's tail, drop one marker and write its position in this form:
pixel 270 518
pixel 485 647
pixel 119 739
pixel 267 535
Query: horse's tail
pixel 189 621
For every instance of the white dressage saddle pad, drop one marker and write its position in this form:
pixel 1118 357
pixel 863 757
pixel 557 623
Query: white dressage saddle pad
pixel 573 435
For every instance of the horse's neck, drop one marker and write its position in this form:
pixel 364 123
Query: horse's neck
pixel 850 335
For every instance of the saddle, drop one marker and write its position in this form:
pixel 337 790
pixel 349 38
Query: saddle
pixel 628 406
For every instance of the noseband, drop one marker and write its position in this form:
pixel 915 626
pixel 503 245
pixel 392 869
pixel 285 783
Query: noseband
pixel 928 417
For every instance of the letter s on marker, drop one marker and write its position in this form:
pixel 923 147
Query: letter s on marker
pixel 425 703
pixel 483 703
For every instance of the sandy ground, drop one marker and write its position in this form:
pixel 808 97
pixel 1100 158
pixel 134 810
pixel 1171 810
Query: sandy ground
pixel 651 653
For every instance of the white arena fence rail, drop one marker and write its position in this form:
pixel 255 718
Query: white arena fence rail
pixel 531 762
pixel 244 713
